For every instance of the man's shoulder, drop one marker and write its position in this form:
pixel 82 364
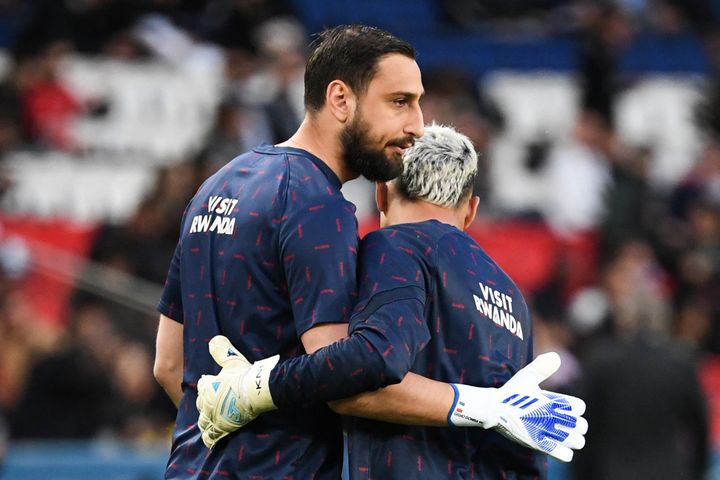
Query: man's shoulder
pixel 409 243
pixel 271 159
pixel 302 166
pixel 306 182
pixel 392 235
pixel 428 234
pixel 258 161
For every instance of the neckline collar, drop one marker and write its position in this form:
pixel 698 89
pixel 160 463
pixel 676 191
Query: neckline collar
pixel 327 171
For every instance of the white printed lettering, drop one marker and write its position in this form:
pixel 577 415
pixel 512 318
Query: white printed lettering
pixel 484 289
pixel 497 298
pixel 217 221
pixel 223 206
pixel 220 224
pixel 212 202
pixel 492 309
pixel 200 223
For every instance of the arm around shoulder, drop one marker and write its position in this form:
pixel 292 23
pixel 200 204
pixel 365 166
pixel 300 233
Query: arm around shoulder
pixel 416 400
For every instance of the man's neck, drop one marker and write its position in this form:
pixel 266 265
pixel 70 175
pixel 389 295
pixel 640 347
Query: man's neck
pixel 321 142
pixel 421 211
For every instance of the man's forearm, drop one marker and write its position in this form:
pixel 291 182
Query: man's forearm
pixel 414 401
pixel 168 367
pixel 376 354
pixel 345 368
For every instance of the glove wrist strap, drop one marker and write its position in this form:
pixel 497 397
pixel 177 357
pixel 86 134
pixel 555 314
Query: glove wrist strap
pixel 473 407
pixel 256 385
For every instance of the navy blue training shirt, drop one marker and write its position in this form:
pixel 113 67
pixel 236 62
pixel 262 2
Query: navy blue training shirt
pixel 267 250
pixel 432 302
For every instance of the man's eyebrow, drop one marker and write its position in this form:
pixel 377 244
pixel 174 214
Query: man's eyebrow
pixel 406 94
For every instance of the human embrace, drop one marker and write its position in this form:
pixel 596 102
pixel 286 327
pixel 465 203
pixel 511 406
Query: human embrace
pixel 263 328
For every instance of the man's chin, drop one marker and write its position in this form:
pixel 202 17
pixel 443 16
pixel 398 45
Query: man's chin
pixel 378 166
pixel 394 158
pixel 384 174
pixel 397 164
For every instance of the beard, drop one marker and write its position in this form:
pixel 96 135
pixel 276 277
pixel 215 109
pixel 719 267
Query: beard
pixel 363 159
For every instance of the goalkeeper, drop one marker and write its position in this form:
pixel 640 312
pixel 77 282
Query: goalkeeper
pixel 433 303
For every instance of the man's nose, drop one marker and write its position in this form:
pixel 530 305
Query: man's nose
pixel 415 125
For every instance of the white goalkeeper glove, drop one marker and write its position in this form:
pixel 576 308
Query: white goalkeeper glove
pixel 521 411
pixel 235 396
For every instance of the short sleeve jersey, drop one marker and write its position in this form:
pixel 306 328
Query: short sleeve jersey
pixel 473 327
pixel 267 250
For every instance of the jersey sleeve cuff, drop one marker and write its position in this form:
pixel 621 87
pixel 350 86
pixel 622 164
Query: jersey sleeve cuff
pixel 170 312
pixel 454 404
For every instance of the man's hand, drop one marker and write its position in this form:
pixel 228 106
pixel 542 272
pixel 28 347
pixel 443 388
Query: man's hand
pixel 235 396
pixel 521 411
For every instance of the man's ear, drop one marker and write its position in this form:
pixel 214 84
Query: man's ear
pixel 381 196
pixel 471 211
pixel 340 100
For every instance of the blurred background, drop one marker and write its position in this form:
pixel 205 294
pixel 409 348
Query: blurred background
pixel 598 128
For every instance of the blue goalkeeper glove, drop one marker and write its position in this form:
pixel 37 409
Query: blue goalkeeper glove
pixel 546 421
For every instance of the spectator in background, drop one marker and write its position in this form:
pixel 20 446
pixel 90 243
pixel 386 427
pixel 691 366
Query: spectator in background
pixel 237 128
pixel 647 410
pixel 633 290
pixel 696 208
pixel 693 323
pixel 637 291
pixel 696 265
pixel 48 107
pixel 643 395
pixel 634 208
pixel 702 183
pixel 141 247
pixel 94 382
pixel 144 244
pixel 142 410
pixel 10 111
pixel 232 23
pixel 552 334
pixel 282 47
pixel 274 89
pixel 72 382
pixel 608 31
pixel 263 93
pixel 22 342
pixel 577 176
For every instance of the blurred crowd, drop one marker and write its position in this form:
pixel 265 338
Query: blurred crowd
pixel 639 332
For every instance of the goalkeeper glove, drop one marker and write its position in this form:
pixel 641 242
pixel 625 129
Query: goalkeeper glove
pixel 521 411
pixel 235 396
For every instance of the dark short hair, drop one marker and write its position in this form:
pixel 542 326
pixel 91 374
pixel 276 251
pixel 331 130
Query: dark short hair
pixel 349 53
